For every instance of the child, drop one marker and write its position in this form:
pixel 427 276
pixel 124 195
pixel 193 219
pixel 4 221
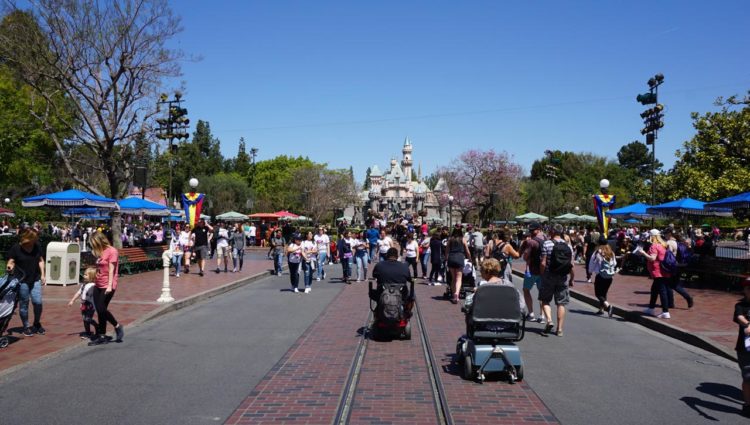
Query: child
pixel 87 302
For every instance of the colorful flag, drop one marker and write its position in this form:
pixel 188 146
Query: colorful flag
pixel 193 204
pixel 602 204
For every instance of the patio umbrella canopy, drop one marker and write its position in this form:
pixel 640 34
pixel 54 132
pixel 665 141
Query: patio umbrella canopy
pixel 741 201
pixel 685 206
pixel 7 212
pixel 634 210
pixel 588 218
pixel 70 198
pixel 267 216
pixel 531 217
pixel 138 206
pixel 286 214
pixel 567 217
pixel 232 216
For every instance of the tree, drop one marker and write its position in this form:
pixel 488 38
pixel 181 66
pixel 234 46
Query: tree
pixel 431 180
pixel 242 163
pixel 274 185
pixel 479 179
pixel 637 157
pixel 542 197
pixel 715 163
pixel 108 59
pixel 368 182
pixel 226 191
pixel 321 190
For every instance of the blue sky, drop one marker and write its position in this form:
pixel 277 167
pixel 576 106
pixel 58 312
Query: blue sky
pixel 344 82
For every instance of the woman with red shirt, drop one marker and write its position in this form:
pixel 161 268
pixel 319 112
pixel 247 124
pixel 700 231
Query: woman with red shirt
pixel 660 285
pixel 105 285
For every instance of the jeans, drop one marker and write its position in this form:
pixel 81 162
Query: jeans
pixel 294 274
pixel 382 257
pixel 425 260
pixel 277 262
pixel 322 258
pixel 346 267
pixel 238 257
pixel 26 291
pixel 436 271
pixel 177 261
pixel 374 250
pixel 101 302
pixel 660 288
pixel 675 284
pixel 412 261
pixel 361 262
pixel 307 270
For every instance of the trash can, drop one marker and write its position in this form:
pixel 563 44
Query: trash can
pixel 63 263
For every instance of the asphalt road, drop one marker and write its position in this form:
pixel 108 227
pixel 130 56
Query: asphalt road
pixel 193 366
pixel 608 371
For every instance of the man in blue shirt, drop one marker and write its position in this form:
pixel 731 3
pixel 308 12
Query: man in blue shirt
pixel 373 236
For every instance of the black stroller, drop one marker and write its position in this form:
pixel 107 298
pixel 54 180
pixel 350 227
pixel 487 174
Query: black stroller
pixel 494 322
pixel 9 286
pixel 468 281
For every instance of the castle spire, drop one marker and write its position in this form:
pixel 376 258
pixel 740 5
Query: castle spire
pixel 419 172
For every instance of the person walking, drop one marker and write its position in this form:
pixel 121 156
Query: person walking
pixel 25 260
pixel 424 253
pixel 532 255
pixel 742 318
pixel 322 242
pixel 361 247
pixel 185 242
pixel 278 247
pixel 500 249
pixel 385 243
pixel 201 234
pixel 660 284
pixel 436 259
pixel 105 286
pixel 411 253
pixel 373 236
pixel 237 241
pixel 345 255
pixel 590 240
pixel 456 252
pixel 309 257
pixel 223 254
pixel 603 266
pixel 177 250
pixel 557 262
pixel 294 257
pixel 677 246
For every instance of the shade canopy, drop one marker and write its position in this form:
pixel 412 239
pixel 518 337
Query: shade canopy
pixel 587 218
pixel 269 216
pixel 685 206
pixel 175 215
pixel 286 214
pixel 567 217
pixel 530 216
pixel 138 206
pixel 736 202
pixel 70 198
pixel 635 210
pixel 7 213
pixel 232 216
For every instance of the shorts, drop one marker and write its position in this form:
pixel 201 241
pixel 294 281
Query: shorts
pixel 530 281
pixel 743 359
pixel 554 286
pixel 201 252
pixel 223 250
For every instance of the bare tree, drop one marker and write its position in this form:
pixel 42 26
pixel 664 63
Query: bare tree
pixel 321 190
pixel 108 61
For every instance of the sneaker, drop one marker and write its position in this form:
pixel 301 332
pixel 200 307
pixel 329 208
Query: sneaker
pixel 217 271
pixel 559 333
pixel 38 329
pixel 664 315
pixel 690 303
pixel 200 273
pixel 120 332
pixel 541 320
pixel 548 328
pixel 234 270
pixel 610 310
pixel 99 341
pixel 317 279
pixel 588 280
pixel 307 290
pixel 530 317
pixel 27 332
pixel 86 335
pixel 296 290
pixel 649 312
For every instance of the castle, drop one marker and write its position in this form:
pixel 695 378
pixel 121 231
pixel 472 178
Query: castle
pixel 400 191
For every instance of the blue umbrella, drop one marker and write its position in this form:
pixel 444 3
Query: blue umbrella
pixel 138 206
pixel 734 202
pixel 684 206
pixel 70 198
pixel 634 210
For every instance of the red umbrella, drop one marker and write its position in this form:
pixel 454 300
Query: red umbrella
pixel 264 215
pixel 286 214
pixel 7 213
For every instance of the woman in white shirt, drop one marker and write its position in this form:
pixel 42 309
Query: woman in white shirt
pixel 294 257
pixel 309 255
pixel 360 247
pixel 322 242
pixel 411 251
pixel 384 244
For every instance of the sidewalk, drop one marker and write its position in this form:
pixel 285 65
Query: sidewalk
pixel 707 325
pixel 135 301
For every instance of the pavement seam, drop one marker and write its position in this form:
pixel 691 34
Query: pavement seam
pixel 655 325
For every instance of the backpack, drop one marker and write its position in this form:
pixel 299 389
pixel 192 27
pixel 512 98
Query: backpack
pixel 684 256
pixel 561 261
pixel 500 256
pixel 669 263
pixel 608 269
pixel 391 303
pixel 472 241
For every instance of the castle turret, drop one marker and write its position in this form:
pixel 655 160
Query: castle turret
pixel 406 163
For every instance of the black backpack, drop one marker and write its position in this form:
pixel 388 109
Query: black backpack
pixel 500 256
pixel 391 303
pixel 561 261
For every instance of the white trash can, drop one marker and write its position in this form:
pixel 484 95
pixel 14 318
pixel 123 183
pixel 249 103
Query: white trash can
pixel 63 263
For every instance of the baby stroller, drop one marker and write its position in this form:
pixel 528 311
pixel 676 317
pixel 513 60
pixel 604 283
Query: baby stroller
pixel 9 285
pixel 494 322
pixel 391 310
pixel 468 281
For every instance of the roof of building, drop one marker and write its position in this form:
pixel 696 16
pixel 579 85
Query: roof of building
pixel 441 186
pixel 375 171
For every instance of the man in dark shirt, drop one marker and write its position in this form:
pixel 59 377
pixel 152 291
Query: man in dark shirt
pixel 200 236
pixel 742 318
pixel 532 254
pixel 393 271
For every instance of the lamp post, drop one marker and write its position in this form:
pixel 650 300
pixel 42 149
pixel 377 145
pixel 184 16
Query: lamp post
pixel 174 126
pixel 450 210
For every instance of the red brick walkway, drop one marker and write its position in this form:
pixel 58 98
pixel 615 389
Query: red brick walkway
pixel 135 298
pixel 710 318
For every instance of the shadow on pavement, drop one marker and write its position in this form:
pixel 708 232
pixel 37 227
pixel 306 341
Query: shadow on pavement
pixel 724 392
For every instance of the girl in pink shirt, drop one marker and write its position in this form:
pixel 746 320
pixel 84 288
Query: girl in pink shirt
pixel 105 285
pixel 660 284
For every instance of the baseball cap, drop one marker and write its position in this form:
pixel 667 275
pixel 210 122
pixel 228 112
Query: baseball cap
pixel 534 225
pixel 655 232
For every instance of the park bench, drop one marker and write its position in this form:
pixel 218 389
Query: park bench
pixel 717 272
pixel 137 259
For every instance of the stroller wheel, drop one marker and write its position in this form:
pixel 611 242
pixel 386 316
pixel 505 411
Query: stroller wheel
pixel 519 373
pixel 3 342
pixel 407 331
pixel 468 370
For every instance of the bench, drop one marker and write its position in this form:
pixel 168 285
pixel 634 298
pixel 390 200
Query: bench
pixel 138 259
pixel 725 273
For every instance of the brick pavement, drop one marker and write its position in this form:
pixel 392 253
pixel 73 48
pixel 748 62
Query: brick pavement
pixel 135 298
pixel 306 385
pixel 494 402
pixel 710 317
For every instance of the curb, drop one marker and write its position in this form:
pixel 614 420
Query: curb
pixel 161 311
pixel 655 325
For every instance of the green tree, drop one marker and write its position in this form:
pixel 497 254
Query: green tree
pixel 542 197
pixel 715 163
pixel 274 185
pixel 637 157
pixel 241 162
pixel 368 182
pixel 225 191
